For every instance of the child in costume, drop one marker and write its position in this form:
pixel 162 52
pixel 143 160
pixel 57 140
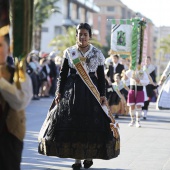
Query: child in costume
pixel 138 79
pixel 118 96
pixel 126 82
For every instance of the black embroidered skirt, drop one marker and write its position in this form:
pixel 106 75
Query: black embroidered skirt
pixel 78 126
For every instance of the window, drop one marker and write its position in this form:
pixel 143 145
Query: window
pixel 44 29
pixel 123 13
pixel 108 25
pixel 129 15
pixel 110 8
pixel 58 30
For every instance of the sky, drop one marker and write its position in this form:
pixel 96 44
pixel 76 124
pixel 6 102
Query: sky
pixel 156 10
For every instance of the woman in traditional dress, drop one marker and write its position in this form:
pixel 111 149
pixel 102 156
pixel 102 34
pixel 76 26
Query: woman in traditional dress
pixel 79 128
pixel 118 97
pixel 163 101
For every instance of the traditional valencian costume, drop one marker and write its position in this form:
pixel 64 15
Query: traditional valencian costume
pixel 78 126
pixel 117 99
pixel 163 101
pixel 136 93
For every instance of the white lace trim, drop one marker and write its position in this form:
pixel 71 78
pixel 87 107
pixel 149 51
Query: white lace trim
pixel 94 58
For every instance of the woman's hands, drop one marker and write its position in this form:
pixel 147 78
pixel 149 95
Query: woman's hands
pixel 137 80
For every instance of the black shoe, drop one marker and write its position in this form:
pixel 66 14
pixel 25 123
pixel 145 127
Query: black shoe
pixel 144 118
pixel 35 98
pixel 116 116
pixel 87 164
pixel 76 166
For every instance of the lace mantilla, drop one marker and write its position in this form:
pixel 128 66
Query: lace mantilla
pixel 94 58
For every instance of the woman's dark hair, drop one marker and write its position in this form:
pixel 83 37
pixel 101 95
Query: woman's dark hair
pixel 149 57
pixel 84 26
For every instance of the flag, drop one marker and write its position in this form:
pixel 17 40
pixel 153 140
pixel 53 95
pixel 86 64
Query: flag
pixel 128 37
pixel 121 35
pixel 145 45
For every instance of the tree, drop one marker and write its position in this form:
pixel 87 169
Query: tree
pixel 61 42
pixel 42 11
pixel 162 54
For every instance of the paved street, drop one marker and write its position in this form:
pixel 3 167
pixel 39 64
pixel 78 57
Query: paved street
pixel 146 148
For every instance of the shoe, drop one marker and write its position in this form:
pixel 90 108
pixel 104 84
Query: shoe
pixel 35 98
pixel 76 166
pixel 138 124
pixel 131 124
pixel 116 116
pixel 144 118
pixel 87 164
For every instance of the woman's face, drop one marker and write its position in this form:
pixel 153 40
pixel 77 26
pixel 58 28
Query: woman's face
pixel 83 37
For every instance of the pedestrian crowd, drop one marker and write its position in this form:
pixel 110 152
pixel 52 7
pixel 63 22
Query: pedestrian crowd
pixel 43 70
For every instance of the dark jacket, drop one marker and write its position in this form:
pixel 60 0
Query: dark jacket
pixel 111 72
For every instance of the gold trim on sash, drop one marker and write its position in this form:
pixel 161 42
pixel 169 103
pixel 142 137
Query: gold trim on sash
pixel 87 80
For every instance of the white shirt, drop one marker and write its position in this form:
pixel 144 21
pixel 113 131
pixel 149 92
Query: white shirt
pixel 114 66
pixel 18 99
pixel 144 80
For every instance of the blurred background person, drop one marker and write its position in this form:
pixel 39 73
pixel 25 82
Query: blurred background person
pixel 33 69
pixel 151 87
pixel 45 81
pixel 53 72
pixel 114 67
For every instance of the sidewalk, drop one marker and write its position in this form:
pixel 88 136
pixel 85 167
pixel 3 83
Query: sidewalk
pixel 145 148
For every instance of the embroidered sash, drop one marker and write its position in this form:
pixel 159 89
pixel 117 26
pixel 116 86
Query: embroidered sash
pixel 82 71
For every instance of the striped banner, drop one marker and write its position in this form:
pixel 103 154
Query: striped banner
pixel 145 46
pixel 121 21
pixel 121 35
pixel 128 37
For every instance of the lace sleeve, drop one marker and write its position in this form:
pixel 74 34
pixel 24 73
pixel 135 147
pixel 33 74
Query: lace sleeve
pixel 101 59
pixel 65 54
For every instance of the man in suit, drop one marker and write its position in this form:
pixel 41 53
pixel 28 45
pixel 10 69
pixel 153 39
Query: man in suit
pixel 114 67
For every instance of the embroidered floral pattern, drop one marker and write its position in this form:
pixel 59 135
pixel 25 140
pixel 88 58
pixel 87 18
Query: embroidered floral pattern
pixel 94 59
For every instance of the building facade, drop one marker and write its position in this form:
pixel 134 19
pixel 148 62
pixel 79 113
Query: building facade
pixel 115 9
pixel 109 9
pixel 162 57
pixel 72 12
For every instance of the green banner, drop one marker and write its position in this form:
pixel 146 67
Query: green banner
pixel 22 17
